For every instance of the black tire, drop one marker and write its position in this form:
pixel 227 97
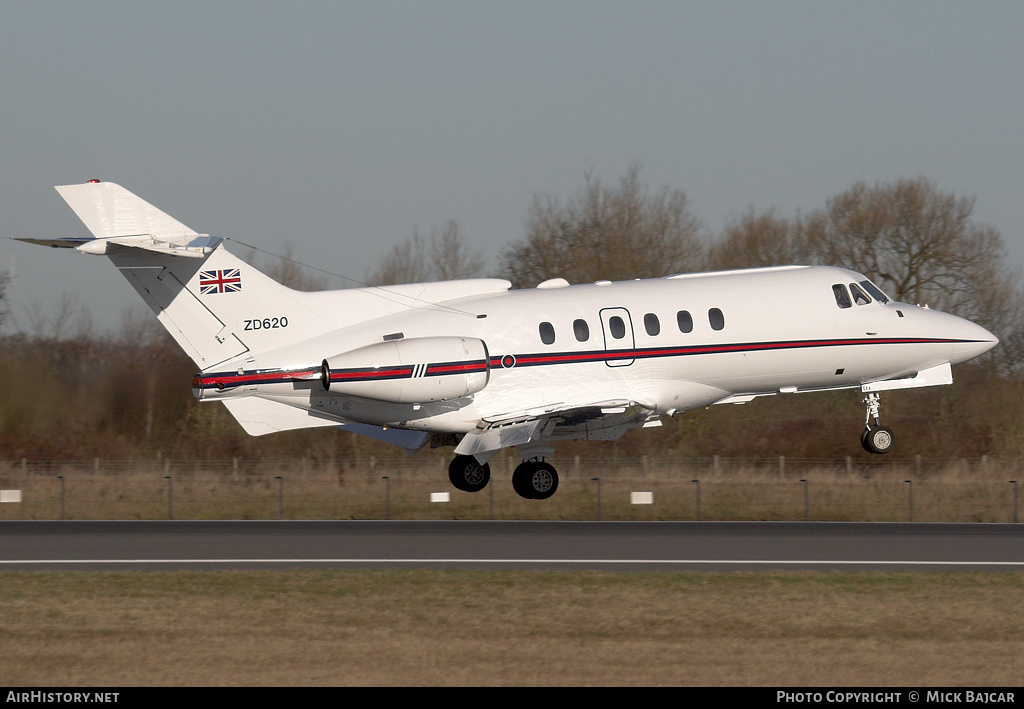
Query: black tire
pixel 864 439
pixel 535 481
pixel 520 479
pixel 879 439
pixel 468 475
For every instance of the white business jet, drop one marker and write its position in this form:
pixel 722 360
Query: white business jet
pixel 474 364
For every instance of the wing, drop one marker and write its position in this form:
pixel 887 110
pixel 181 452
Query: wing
pixel 597 421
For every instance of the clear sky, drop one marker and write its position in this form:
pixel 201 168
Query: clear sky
pixel 338 127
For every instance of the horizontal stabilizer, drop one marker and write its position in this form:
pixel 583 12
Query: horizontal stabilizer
pixel 198 246
pixel 116 217
pixel 69 243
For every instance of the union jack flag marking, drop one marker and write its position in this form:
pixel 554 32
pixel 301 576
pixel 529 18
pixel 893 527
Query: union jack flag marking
pixel 220 281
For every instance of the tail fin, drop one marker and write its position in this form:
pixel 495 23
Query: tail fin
pixel 109 210
pixel 216 306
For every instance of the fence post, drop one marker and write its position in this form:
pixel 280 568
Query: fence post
pixel 490 492
pixel 698 495
pixel 598 481
pixel 1014 483
pixel 910 499
pixel 387 497
pixel 61 478
pixel 807 502
pixel 170 497
pixel 849 466
pixel 782 467
pixel 280 497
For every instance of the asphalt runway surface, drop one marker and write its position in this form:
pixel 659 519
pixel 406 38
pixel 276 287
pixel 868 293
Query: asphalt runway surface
pixel 612 546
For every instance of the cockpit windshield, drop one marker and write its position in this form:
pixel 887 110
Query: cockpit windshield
pixel 859 296
pixel 875 291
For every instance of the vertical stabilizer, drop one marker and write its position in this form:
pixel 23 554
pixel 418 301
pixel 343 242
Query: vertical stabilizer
pixel 216 306
pixel 109 210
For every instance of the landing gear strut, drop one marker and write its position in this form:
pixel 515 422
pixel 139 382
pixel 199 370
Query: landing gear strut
pixel 535 480
pixel 875 438
pixel 467 474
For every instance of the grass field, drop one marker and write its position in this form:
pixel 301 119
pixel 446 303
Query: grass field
pixel 431 628
pixel 940 491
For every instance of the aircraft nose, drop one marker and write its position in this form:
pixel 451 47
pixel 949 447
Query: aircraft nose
pixel 970 340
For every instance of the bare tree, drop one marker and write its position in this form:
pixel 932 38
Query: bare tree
pixel 5 279
pixel 604 232
pixel 756 239
pixel 67 319
pixel 443 256
pixel 916 241
pixel 287 271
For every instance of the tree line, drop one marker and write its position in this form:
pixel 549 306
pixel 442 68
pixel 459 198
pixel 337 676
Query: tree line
pixel 127 394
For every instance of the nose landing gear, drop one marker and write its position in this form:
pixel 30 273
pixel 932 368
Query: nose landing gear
pixel 875 438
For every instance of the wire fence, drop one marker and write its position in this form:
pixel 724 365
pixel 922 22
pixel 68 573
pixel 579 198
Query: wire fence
pixel 646 488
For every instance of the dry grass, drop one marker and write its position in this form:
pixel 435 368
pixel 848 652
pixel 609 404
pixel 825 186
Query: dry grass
pixel 954 492
pixel 510 628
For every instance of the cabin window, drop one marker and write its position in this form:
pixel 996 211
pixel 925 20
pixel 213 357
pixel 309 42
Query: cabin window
pixel 651 324
pixel 547 333
pixel 581 330
pixel 842 297
pixel 875 291
pixel 716 319
pixel 859 296
pixel 616 327
pixel 685 321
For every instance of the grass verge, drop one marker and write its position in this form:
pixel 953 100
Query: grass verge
pixel 429 628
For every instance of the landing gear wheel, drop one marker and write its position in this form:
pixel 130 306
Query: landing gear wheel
pixel 535 480
pixel 467 474
pixel 864 438
pixel 877 439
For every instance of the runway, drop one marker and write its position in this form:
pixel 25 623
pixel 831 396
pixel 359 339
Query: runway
pixel 618 546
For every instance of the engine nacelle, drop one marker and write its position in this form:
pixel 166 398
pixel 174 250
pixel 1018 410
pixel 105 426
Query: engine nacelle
pixel 414 371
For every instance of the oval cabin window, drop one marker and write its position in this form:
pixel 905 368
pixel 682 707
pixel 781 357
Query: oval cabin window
pixel 651 324
pixel 685 321
pixel 716 319
pixel 581 330
pixel 616 327
pixel 547 333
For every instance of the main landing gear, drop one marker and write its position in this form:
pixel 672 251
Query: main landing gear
pixel 467 474
pixel 534 479
pixel 875 438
